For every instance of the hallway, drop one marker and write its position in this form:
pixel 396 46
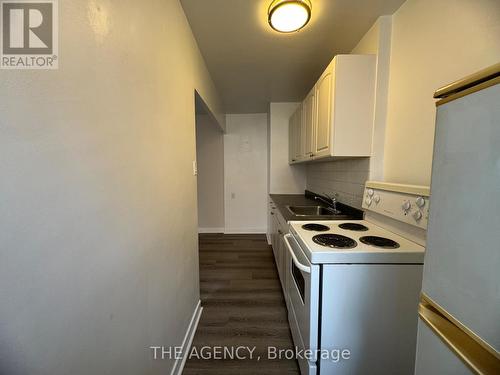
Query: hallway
pixel 242 306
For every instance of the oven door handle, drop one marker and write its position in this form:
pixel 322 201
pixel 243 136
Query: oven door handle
pixel 299 265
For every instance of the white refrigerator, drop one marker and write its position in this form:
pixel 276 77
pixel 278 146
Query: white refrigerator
pixel 459 311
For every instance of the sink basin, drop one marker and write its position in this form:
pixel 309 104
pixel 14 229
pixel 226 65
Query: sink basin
pixel 313 211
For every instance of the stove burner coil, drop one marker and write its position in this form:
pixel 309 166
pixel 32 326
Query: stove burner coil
pixel 315 227
pixel 353 226
pixel 336 241
pixel 382 242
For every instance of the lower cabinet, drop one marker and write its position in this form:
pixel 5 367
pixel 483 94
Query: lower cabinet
pixel 280 258
pixel 274 234
pixel 277 229
pixel 283 267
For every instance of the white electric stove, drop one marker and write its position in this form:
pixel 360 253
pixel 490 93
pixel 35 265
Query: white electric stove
pixel 353 286
pixel 353 241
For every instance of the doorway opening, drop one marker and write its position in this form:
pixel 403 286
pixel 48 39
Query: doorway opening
pixel 210 169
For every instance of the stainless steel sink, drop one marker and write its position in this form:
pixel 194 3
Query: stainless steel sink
pixel 313 211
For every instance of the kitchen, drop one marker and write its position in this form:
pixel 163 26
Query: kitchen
pixel 189 176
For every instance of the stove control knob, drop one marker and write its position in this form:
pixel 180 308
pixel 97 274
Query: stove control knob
pixel 368 201
pixel 376 198
pixel 370 192
pixel 417 215
pixel 420 202
pixel 406 206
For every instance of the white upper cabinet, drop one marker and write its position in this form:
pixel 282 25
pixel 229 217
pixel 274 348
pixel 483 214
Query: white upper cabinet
pixel 292 138
pixel 308 124
pixel 322 136
pixel 296 131
pixel 299 153
pixel 337 119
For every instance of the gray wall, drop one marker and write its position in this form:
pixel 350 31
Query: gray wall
pixel 210 161
pixel 98 224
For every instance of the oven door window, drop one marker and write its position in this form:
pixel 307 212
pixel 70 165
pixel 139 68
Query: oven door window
pixel 299 281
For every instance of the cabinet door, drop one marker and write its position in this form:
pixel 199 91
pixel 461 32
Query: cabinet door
pixel 309 117
pixel 285 265
pixel 270 213
pixel 291 139
pixel 278 253
pixel 277 239
pixel 281 258
pixel 274 233
pixel 298 154
pixel 324 114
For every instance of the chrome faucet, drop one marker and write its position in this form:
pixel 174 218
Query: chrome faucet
pixel 329 200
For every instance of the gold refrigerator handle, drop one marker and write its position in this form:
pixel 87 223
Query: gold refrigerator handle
pixel 475 82
pixel 474 352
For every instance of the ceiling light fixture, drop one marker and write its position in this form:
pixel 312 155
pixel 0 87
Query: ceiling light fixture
pixel 287 16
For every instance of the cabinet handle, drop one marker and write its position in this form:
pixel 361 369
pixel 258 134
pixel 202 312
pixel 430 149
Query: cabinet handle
pixel 280 232
pixel 476 353
pixel 293 160
pixel 272 213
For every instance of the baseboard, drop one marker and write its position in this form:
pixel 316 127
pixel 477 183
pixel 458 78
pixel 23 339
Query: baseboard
pixel 210 230
pixel 246 231
pixel 188 340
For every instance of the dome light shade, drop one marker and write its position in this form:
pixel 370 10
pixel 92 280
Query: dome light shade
pixel 287 16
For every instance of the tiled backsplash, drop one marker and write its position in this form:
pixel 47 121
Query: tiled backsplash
pixel 344 177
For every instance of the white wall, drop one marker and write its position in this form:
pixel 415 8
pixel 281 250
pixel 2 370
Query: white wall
pixel 210 161
pixel 245 173
pixel 283 178
pixel 433 44
pixel 377 41
pixel 98 224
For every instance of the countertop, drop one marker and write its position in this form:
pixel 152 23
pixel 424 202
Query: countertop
pixel 283 200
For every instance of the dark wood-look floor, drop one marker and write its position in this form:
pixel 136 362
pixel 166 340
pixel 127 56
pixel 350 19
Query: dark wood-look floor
pixel 243 305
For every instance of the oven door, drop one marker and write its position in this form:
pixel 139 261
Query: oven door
pixel 303 296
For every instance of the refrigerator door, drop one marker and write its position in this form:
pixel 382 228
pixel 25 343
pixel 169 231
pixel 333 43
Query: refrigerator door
pixel 434 357
pixel 471 350
pixel 461 269
pixel 462 260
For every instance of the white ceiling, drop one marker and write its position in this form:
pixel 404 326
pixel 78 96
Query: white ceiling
pixel 253 65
